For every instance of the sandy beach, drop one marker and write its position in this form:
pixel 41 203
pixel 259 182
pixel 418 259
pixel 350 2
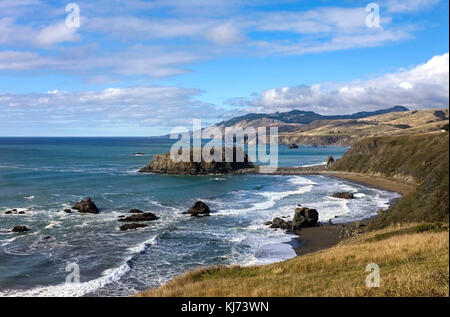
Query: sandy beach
pixel 319 238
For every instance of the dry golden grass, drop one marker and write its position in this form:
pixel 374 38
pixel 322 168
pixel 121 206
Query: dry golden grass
pixel 413 264
pixel 421 121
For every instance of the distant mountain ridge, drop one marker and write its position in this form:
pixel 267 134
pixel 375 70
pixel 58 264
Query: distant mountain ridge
pixel 306 117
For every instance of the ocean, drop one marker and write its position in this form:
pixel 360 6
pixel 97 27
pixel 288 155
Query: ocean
pixel 43 176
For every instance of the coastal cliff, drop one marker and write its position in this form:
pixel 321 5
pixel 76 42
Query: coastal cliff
pixel 163 164
pixel 421 159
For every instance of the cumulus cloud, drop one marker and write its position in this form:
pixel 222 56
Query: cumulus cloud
pixel 56 33
pixel 163 106
pixel 422 86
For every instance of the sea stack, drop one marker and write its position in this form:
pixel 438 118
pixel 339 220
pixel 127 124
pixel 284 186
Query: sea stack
pixel 163 164
pixel 86 206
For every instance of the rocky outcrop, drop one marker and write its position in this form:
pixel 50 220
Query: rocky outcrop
pixel 278 223
pixel 146 216
pixel 19 229
pixel 199 209
pixel 130 226
pixel 86 206
pixel 351 229
pixel 305 217
pixel 135 211
pixel 343 195
pixel 330 161
pixel 162 163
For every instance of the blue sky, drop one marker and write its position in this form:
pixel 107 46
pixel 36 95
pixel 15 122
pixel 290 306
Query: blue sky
pixel 137 68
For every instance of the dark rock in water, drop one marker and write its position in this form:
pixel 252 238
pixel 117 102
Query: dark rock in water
pixel 21 212
pixel 121 216
pixel 47 237
pixel 305 217
pixel 293 146
pixel 86 206
pixel 8 212
pixel 146 216
pixel 19 229
pixel 135 211
pixel 199 208
pixel 67 211
pixel 344 195
pixel 268 223
pixel 130 226
pixel 281 224
pixel 162 163
pixel 330 161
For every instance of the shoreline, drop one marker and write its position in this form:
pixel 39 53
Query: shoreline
pixel 315 239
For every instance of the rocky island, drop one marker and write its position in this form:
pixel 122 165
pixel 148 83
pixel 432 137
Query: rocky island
pixel 163 164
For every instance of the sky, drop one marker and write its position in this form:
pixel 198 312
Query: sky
pixel 141 68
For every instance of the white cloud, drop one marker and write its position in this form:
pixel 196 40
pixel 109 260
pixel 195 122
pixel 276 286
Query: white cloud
pixel 12 33
pixel 56 33
pixel 225 34
pixel 16 60
pixel 403 6
pixel 422 86
pixel 150 61
pixel 162 106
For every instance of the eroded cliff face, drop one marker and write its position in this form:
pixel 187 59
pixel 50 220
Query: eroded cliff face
pixel 421 159
pixel 318 140
pixel 410 158
pixel 162 163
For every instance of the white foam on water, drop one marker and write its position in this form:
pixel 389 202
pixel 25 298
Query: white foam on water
pixel 270 200
pixel 79 289
pixel 29 197
pixel 298 180
pixel 52 224
pixel 72 289
pixel 347 188
pixel 309 165
pixel 142 247
pixel 273 249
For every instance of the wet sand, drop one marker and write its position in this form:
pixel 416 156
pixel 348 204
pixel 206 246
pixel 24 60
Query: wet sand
pixel 319 238
pixel 390 184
